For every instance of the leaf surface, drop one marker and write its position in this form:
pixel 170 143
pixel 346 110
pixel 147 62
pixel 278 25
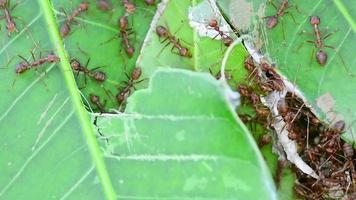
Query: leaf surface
pixel 175 128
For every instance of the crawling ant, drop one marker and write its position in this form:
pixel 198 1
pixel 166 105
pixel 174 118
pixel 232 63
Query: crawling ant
pixel 225 38
pixel 24 66
pixel 10 23
pixel 272 20
pixel 129 7
pixel 66 26
pixel 135 75
pixel 99 76
pixel 125 31
pixel 321 55
pixel 274 80
pixel 163 32
pixel 96 100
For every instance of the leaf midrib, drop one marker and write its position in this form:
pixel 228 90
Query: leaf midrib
pixel 84 121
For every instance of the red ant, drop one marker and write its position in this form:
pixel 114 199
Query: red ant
pixel 225 38
pixel 322 56
pixel 163 32
pixel 125 31
pixel 65 28
pixel 96 100
pixel 135 75
pixel 10 23
pixel 24 66
pixel 99 76
pixel 274 80
pixel 272 20
pixel 129 7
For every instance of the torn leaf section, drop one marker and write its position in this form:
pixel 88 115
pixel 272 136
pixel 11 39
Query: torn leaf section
pixel 182 140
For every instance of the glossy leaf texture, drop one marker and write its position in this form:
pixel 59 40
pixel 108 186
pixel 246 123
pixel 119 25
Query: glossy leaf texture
pixel 50 153
pixel 43 151
pixel 175 141
pixel 291 45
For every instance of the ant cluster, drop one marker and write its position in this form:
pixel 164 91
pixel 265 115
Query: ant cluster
pixel 319 145
pixel 321 148
pixel 262 79
pixel 76 66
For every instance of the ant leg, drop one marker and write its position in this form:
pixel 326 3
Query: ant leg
pixel 86 65
pixel 109 94
pixel 311 56
pixel 284 34
pixel 28 63
pixel 291 15
pixel 328 35
pixel 342 60
pixel 300 46
pixel 82 51
pixel 271 2
pixel 109 40
pixel 159 53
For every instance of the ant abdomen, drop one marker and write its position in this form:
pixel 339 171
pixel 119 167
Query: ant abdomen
pixel 99 76
pixel 321 57
pixel 130 50
pixel 272 22
pixel 21 67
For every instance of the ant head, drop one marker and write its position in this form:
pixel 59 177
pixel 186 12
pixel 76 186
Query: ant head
pixel 65 29
pixel 213 23
pixel 227 40
pixel 21 67
pixel 75 64
pixel 321 57
pixel 314 20
pixel 130 7
pixel 52 58
pixel 123 23
pixel 150 2
pixel 136 73
pixel 99 76
pixel 11 26
pixel 272 21
pixel 184 52
pixel 130 50
pixel 94 99
pixel 161 31
pixel 84 6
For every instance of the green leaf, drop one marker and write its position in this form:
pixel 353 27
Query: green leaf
pixel 47 155
pixel 97 36
pixel 330 88
pixel 219 158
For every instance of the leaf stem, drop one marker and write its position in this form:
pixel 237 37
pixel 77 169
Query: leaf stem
pixel 79 108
